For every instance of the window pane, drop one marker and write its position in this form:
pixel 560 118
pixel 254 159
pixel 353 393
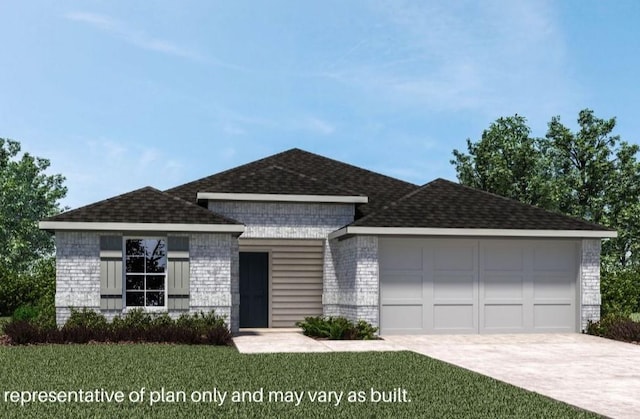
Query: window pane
pixel 135 299
pixel 155 282
pixel 135 247
pixel 135 282
pixel 156 264
pixel 155 299
pixel 156 255
pixel 135 264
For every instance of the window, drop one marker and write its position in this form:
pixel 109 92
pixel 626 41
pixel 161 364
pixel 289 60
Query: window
pixel 146 270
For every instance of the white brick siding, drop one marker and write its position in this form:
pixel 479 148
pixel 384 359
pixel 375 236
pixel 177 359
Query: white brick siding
pixel 351 287
pixel 77 272
pixel 274 220
pixel 213 274
pixel 590 281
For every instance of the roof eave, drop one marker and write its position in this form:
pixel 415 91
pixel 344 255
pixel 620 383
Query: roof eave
pixel 116 226
pixel 474 232
pixel 337 199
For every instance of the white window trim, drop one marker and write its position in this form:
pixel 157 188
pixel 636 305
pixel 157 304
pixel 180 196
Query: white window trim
pixel 149 309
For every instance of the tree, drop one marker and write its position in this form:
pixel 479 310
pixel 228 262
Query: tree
pixel 27 195
pixel 506 161
pixel 595 176
pixel 589 174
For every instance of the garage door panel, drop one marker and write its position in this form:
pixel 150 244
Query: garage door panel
pixel 402 286
pixel 399 318
pixel 552 286
pixel 554 257
pixel 454 258
pixel 503 286
pixel 503 317
pixel 454 318
pixel 454 287
pixel 553 317
pixel 401 255
pixel 502 257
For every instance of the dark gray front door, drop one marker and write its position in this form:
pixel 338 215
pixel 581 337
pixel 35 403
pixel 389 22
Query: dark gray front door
pixel 254 289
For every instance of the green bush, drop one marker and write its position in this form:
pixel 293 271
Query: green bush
pixel 620 292
pixel 27 312
pixel 18 289
pixel 337 328
pixel 87 325
pixel 86 318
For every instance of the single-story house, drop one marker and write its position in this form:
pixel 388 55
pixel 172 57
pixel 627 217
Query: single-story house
pixel 297 234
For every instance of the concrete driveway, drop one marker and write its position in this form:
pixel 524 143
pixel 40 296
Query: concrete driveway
pixel 596 374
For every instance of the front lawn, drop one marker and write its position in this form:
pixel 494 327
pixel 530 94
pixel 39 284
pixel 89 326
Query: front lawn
pixel 435 389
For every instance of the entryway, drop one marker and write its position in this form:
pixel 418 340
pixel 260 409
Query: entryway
pixel 254 289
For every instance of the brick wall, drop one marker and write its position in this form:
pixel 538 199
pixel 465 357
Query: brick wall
pixel 77 272
pixel 590 281
pixel 351 287
pixel 286 220
pixel 213 274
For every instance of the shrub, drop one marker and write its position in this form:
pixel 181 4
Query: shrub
pixel 23 332
pixel 616 327
pixel 20 288
pixel 336 328
pixel 86 318
pixel 620 292
pixel 25 312
pixel 365 330
pixel 87 325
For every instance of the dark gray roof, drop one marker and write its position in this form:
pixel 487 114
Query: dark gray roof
pixel 145 205
pixel 327 174
pixel 278 180
pixel 445 204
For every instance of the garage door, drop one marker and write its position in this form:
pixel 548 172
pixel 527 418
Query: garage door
pixel 477 286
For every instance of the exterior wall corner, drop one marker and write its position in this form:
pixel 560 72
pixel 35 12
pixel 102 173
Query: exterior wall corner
pixel 589 269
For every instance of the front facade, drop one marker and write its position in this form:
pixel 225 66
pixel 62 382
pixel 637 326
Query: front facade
pixel 296 234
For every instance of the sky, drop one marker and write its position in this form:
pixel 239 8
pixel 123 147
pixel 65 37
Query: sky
pixel 125 94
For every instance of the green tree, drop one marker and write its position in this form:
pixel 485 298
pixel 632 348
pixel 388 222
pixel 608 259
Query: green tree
pixel 27 195
pixel 506 161
pixel 596 176
pixel 590 174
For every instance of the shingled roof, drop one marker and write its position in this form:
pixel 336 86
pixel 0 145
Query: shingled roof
pixel 278 180
pixel 380 189
pixel 445 204
pixel 145 205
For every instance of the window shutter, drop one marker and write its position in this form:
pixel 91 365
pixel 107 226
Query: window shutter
pixel 178 273
pixel 111 272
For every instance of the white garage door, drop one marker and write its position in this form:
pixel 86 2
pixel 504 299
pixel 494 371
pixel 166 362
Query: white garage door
pixel 477 286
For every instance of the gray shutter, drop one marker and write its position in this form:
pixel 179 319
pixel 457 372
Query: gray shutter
pixel 178 273
pixel 111 272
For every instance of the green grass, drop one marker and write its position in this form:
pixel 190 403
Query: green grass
pixel 435 389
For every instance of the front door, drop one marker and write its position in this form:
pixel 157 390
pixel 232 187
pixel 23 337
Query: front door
pixel 254 289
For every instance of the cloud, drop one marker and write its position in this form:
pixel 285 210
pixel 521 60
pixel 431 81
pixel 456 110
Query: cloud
pixel 132 36
pixel 491 56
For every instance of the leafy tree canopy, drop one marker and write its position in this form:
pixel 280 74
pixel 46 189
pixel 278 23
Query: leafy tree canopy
pixel 27 195
pixel 589 173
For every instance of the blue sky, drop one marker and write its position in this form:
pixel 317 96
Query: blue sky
pixel 123 94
